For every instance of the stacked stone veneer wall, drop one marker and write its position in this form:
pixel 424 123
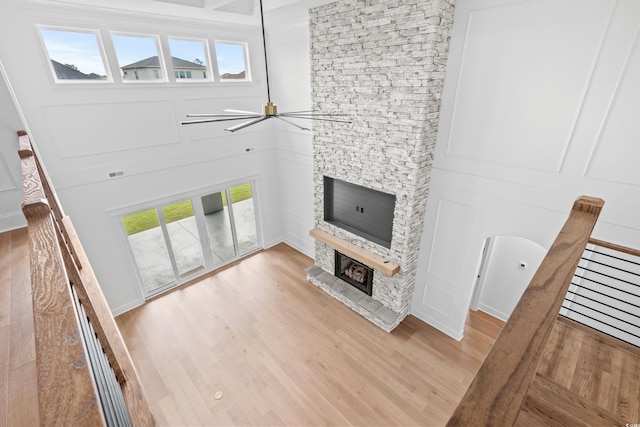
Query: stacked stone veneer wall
pixel 383 63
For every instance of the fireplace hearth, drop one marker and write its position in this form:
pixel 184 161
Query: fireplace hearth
pixel 354 273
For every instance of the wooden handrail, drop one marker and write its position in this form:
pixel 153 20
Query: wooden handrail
pixel 62 368
pixel 25 150
pixel 66 389
pixel 615 247
pixel 499 389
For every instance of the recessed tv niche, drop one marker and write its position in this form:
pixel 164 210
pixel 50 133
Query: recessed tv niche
pixel 360 210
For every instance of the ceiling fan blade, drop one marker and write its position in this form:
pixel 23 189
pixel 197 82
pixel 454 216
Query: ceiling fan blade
pixel 246 124
pixel 224 115
pixel 211 120
pixel 243 112
pixel 311 114
pixel 317 118
pixel 293 124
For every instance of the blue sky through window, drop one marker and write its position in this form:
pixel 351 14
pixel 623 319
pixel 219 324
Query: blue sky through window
pixel 130 49
pixel 79 49
pixel 189 50
pixel 230 57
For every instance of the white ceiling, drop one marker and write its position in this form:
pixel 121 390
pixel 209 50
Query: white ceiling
pixel 229 11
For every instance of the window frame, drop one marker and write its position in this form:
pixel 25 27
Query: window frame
pixel 100 47
pixel 206 51
pixel 247 65
pixel 160 53
pixel 109 55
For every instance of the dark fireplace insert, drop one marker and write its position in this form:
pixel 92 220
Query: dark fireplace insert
pixel 353 272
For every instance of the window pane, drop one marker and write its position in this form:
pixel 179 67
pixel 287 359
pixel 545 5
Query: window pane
pixel 244 217
pixel 185 240
pixel 231 61
pixel 138 58
pixel 149 250
pixel 189 58
pixel 216 217
pixel 74 55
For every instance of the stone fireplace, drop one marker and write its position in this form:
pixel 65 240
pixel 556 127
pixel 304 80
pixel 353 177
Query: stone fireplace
pixel 383 63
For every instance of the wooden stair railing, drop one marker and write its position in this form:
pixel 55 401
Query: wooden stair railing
pixel 67 390
pixel 26 150
pixel 500 387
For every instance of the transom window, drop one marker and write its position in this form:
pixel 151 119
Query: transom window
pixel 78 55
pixel 232 60
pixel 138 56
pixel 189 59
pixel 75 55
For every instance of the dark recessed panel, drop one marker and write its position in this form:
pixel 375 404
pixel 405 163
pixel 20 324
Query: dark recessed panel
pixel 360 210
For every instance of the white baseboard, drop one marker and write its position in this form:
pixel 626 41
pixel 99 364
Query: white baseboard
pixel 12 221
pixel 126 307
pixel 456 335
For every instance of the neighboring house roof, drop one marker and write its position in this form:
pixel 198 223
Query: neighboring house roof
pixel 154 62
pixel 64 72
pixel 240 75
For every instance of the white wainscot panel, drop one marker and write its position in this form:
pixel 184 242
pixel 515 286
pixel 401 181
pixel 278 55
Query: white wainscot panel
pixel 617 151
pixel 89 129
pixel 450 240
pixel 523 75
pixel 7 182
pixel 438 300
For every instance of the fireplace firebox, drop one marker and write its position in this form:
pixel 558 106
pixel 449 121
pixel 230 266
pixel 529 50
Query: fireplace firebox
pixel 353 272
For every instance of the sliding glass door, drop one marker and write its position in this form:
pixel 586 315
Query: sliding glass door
pixel 175 242
pixel 244 218
pixel 149 247
pixel 183 238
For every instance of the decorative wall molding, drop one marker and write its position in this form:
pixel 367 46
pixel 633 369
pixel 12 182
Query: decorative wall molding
pixel 619 133
pixel 509 60
pixel 82 129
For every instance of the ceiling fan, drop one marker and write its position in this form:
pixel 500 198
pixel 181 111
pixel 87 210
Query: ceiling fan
pixel 269 110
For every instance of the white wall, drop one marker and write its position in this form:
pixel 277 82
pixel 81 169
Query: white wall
pixel 540 106
pixel 10 176
pixel 85 131
pixel 290 81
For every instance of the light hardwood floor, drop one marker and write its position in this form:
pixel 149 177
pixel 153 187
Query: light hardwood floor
pixel 584 378
pixel 18 392
pixel 282 352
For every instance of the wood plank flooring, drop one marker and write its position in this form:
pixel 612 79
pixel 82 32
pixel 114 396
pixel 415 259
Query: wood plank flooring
pixel 18 392
pixel 600 372
pixel 282 352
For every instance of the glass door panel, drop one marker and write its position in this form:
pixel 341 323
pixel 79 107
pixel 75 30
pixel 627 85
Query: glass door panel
pixel 173 243
pixel 244 217
pixel 150 251
pixel 183 237
pixel 218 224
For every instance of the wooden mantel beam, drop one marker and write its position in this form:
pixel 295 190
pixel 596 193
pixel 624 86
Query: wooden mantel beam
pixel 366 257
